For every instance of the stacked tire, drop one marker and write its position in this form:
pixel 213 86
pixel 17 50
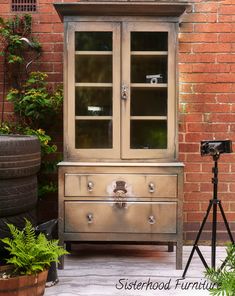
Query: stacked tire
pixel 20 159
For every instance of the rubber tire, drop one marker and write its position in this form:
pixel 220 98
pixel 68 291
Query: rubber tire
pixel 20 156
pixel 19 222
pixel 17 195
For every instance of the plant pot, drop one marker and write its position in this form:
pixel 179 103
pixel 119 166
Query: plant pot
pixel 25 285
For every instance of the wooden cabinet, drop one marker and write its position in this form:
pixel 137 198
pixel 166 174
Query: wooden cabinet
pixel 120 180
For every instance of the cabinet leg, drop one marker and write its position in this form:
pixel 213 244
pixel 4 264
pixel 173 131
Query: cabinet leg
pixel 61 263
pixel 170 247
pixel 179 258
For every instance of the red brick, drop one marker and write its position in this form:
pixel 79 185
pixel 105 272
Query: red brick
pixel 226 58
pixel 223 167
pixel 223 47
pixel 186 27
pixel 197 58
pixel 227 37
pixel 197 137
pixel 198 77
pixel 189 147
pixel 198 37
pixel 226 98
pixel 200 18
pixel 206 7
pixel 191 117
pixel 42 28
pixel 214 88
pixel 227 9
pixel 187 68
pixel 192 187
pixel 210 68
pixel 198 98
pixel 215 27
pixel 208 127
pixel 191 207
pixel 58 28
pixel 192 167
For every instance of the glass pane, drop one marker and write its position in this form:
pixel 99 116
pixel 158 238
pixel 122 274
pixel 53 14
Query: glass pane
pixel 93 68
pixel 148 134
pixel 91 134
pixel 148 102
pixel 143 67
pixel 93 41
pixel 93 101
pixel 149 41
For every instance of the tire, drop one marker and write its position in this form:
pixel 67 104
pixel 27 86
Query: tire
pixel 17 195
pixel 20 156
pixel 19 222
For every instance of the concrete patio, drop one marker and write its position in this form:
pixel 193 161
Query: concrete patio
pixel 100 270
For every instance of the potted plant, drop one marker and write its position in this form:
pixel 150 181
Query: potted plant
pixel 224 279
pixel 30 256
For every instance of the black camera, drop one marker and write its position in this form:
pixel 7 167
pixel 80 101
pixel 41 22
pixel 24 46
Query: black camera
pixel 215 147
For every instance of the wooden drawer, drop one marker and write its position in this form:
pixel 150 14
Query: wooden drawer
pixel 136 217
pixel 136 185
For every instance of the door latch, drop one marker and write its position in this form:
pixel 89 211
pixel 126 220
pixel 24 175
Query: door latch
pixel 124 92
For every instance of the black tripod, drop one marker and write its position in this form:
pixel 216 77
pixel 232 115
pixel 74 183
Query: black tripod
pixel 213 203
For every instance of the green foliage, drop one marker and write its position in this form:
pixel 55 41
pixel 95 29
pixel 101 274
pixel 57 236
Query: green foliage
pixel 46 188
pixel 34 101
pixel 11 33
pixel 225 278
pixel 30 253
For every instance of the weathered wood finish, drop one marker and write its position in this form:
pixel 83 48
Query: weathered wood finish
pixel 143 215
pixel 131 223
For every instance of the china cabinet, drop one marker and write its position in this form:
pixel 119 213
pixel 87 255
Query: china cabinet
pixel 120 180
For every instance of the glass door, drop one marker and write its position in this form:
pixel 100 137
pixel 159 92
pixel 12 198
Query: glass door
pixel 94 92
pixel 121 90
pixel 148 90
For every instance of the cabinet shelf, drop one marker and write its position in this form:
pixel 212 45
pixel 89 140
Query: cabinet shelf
pixel 149 85
pixel 150 53
pixel 93 84
pixel 90 52
pixel 148 117
pixel 94 117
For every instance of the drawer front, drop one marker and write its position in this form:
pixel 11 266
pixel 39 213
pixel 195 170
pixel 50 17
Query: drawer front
pixel 142 217
pixel 135 185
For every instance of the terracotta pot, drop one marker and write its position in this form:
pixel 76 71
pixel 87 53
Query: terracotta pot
pixel 26 285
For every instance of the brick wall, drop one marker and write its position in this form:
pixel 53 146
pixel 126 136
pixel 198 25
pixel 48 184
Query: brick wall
pixel 207 104
pixel 206 96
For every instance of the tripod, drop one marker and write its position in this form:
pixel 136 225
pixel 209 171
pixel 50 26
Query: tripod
pixel 214 204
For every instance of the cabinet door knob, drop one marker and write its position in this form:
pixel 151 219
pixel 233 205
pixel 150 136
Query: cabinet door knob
pixel 151 187
pixel 90 186
pixel 90 218
pixel 152 220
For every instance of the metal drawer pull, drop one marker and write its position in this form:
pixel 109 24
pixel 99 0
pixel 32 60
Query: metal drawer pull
pixel 90 218
pixel 152 220
pixel 90 186
pixel 151 187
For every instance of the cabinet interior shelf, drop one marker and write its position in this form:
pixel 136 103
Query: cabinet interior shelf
pixel 93 84
pixel 148 117
pixel 86 52
pixel 150 53
pixel 149 85
pixel 90 117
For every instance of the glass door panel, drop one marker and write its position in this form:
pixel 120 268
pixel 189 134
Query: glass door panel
pixel 95 87
pixel 148 134
pixel 147 121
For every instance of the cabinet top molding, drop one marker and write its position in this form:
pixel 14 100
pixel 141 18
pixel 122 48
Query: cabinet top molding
pixel 121 8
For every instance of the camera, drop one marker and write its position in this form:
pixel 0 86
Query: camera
pixel 216 147
pixel 153 79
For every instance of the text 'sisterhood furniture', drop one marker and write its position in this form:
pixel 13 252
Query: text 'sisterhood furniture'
pixel 120 180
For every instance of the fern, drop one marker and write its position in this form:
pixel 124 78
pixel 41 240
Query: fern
pixel 31 253
pixel 225 278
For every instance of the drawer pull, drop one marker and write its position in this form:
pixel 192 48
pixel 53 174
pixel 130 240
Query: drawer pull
pixel 152 220
pixel 151 187
pixel 90 218
pixel 90 186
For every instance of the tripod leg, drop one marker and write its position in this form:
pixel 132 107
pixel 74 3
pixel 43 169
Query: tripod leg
pixel 226 222
pixel 213 240
pixel 228 230
pixel 195 246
